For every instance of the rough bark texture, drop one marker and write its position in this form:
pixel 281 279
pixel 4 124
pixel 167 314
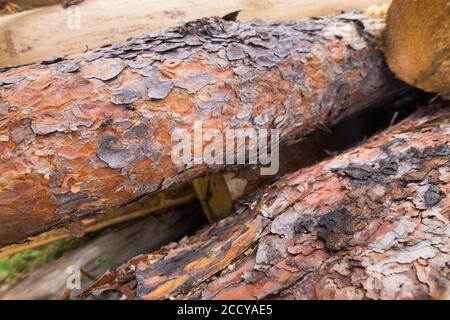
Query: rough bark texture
pixel 114 247
pixel 45 32
pixel 148 205
pixel 82 134
pixel 370 223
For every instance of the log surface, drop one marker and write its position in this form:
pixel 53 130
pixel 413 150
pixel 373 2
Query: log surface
pixel 37 34
pixel 114 247
pixel 82 134
pixel 370 223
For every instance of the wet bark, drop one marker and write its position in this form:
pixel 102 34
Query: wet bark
pixel 80 135
pixel 370 223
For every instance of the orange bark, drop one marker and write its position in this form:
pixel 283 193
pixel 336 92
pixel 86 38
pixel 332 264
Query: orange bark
pixel 370 223
pixel 82 134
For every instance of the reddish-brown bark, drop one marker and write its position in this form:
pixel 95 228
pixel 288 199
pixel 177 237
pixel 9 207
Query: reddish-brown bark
pixel 82 134
pixel 370 223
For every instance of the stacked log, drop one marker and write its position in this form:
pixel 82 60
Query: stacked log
pixel 41 33
pixel 105 251
pixel 370 223
pixel 80 135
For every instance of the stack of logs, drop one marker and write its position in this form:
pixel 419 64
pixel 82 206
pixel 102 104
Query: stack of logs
pixel 81 135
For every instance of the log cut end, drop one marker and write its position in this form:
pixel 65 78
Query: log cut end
pixel 416 43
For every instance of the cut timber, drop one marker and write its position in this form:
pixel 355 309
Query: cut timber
pixel 84 134
pixel 113 248
pixel 370 223
pixel 33 3
pixel 41 33
pixel 244 180
pixel 150 204
pixel 416 43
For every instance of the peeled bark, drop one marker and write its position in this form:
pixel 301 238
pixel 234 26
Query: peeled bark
pixel 370 223
pixel 83 134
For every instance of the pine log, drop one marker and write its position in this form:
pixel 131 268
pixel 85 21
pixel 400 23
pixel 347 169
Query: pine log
pixel 370 223
pixel 82 134
pixel 148 205
pixel 40 33
pixel 416 43
pixel 32 3
pixel 113 247
pixel 243 180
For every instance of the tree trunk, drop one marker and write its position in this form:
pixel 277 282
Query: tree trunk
pixel 106 251
pixel 82 134
pixel 96 22
pixel 151 204
pixel 370 223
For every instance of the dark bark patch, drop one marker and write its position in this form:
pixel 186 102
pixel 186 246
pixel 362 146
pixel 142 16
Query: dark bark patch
pixel 70 67
pixel 427 197
pixel 267 61
pixel 168 46
pixel 93 56
pixel 235 52
pixel 335 229
pixel 439 151
pixel 303 226
pixel 137 132
pixel 115 156
pixel 432 196
pixel 52 60
pixel 358 172
pixel 139 64
pixel 195 82
pixel 129 55
pixel 104 69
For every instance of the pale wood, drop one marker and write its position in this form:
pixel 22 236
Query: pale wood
pixel 40 33
pixel 214 196
pixel 416 43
